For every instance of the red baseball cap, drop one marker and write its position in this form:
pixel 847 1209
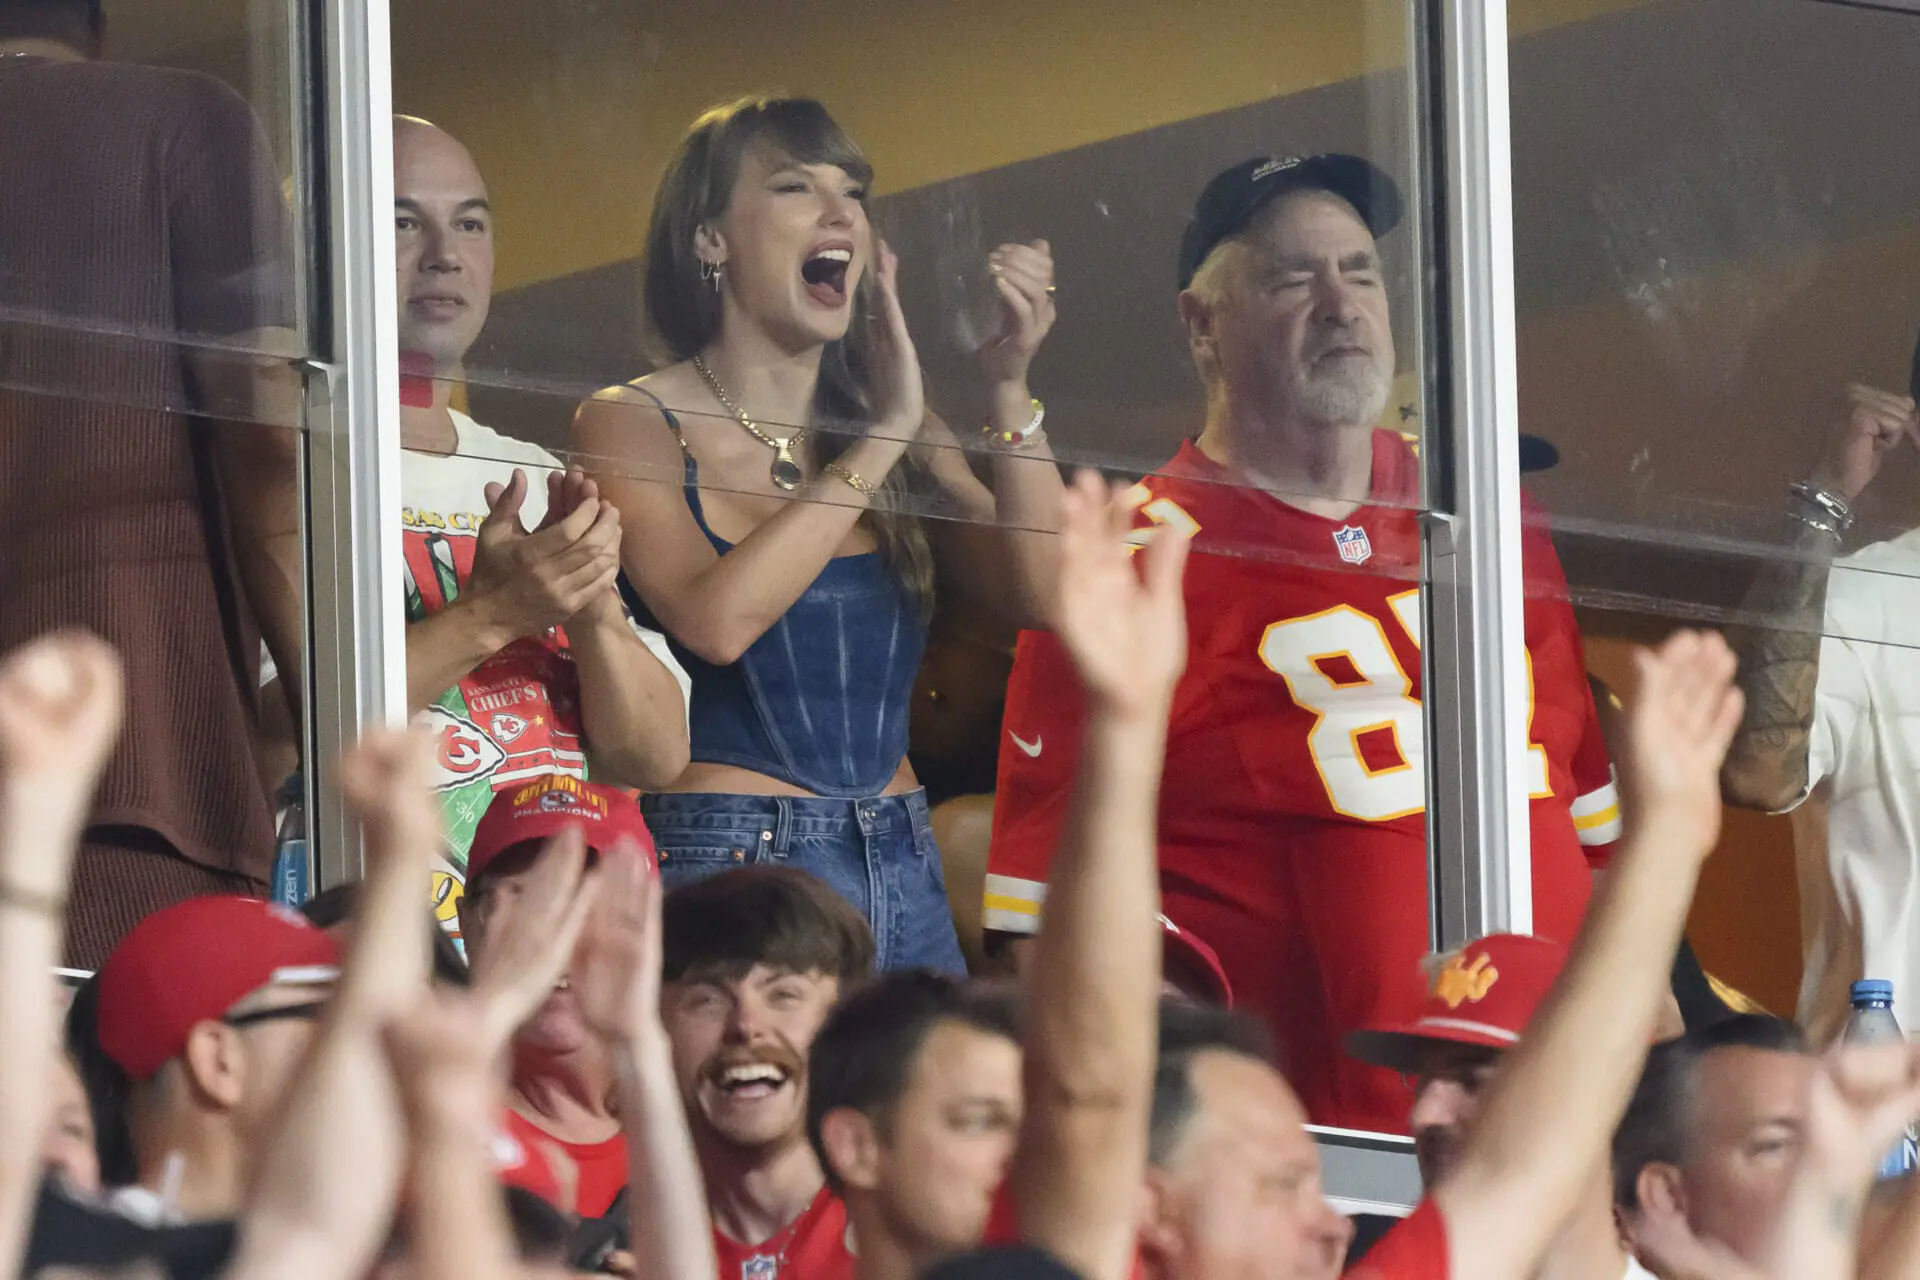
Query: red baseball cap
pixel 1183 948
pixel 193 962
pixel 1484 994
pixel 543 807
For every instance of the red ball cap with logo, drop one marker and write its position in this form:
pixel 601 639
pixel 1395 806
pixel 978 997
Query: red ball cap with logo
pixel 193 962
pixel 1484 994
pixel 1193 966
pixel 543 807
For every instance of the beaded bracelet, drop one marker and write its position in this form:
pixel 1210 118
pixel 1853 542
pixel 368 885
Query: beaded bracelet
pixel 1025 436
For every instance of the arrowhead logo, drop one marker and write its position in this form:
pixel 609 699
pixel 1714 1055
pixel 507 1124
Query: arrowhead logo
pixel 1460 982
pixel 1032 749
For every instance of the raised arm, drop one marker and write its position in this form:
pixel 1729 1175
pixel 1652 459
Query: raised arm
pixel 1002 550
pixel 60 708
pixel 618 985
pixel 1091 1021
pixel 1766 767
pixel 1575 1068
pixel 324 1194
pixel 718 605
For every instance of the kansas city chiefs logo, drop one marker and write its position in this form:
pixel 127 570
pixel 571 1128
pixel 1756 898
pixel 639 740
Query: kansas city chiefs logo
pixel 462 749
pixel 508 728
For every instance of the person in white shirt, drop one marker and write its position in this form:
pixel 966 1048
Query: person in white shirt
pixel 521 658
pixel 1833 712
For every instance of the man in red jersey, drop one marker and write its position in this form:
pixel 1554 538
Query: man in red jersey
pixel 1292 829
pixel 754 958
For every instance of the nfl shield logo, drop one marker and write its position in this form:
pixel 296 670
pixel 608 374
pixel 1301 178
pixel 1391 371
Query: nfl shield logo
pixel 760 1267
pixel 1353 545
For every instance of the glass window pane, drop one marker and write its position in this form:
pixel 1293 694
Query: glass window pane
pixel 1065 146
pixel 1718 265
pixel 153 243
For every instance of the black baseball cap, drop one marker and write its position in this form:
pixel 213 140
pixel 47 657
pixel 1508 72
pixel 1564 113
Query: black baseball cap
pixel 1229 201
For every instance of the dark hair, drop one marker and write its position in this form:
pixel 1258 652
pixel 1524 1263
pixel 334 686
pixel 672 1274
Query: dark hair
pixel 724 925
pixel 1188 1030
pixel 682 312
pixel 72 22
pixel 1656 1127
pixel 331 908
pixel 107 1087
pixel 865 1053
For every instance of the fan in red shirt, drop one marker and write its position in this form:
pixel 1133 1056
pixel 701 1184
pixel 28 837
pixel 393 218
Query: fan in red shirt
pixel 1292 825
pixel 754 959
pixel 562 1079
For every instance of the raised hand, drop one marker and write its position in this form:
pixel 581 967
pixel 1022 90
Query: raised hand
pixel 438 1049
pixel 1678 726
pixel 616 977
pixel 1124 625
pixel 1861 1101
pixel 386 781
pixel 527 583
pixel 61 699
pixel 899 393
pixel 1874 422
pixel 1023 276
pixel 1664 1240
pixel 566 491
pixel 525 958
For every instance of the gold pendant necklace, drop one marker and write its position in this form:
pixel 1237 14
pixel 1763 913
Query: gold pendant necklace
pixel 784 472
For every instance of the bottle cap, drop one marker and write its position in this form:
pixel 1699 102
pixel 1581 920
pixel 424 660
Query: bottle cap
pixel 1872 989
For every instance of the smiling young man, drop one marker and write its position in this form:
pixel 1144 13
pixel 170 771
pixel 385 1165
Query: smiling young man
pixel 754 960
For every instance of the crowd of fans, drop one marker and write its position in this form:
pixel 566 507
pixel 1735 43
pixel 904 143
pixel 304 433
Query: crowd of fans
pixel 686 998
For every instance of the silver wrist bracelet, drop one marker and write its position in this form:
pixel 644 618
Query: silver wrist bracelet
pixel 1819 509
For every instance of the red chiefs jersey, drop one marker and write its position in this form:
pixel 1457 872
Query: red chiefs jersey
pixel 1416 1249
pixel 817 1245
pixel 1292 811
pixel 598 1173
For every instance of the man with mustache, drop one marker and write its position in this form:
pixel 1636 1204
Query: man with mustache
pixel 521 660
pixel 1292 829
pixel 753 961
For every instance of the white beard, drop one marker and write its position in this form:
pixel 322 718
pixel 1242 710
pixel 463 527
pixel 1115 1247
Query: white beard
pixel 1344 392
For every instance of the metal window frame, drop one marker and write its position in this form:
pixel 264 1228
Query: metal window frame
pixel 356 665
pixel 1477 682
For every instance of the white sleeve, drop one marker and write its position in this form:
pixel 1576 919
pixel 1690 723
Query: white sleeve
pixel 1840 702
pixel 657 644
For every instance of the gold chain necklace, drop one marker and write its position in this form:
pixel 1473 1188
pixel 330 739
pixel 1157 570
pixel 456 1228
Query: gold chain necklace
pixel 784 472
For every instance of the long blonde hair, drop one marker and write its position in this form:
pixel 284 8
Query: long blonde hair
pixel 683 314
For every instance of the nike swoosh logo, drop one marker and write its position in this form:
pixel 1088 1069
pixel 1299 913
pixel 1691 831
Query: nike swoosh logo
pixel 1031 748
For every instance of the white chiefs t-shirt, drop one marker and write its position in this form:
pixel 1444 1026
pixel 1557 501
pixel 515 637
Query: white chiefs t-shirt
pixel 516 715
pixel 1858 842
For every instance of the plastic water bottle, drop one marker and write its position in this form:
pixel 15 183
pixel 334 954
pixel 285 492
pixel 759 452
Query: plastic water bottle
pixel 1872 1022
pixel 290 852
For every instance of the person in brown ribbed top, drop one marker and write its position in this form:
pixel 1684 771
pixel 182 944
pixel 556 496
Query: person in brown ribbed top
pixel 143 255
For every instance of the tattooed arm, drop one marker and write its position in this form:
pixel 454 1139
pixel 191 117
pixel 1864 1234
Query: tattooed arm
pixel 1767 767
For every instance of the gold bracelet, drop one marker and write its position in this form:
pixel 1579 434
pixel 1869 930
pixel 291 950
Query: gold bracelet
pixel 41 904
pixel 859 482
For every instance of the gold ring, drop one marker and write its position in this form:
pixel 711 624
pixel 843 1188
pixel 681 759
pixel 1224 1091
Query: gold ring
pixel 1051 290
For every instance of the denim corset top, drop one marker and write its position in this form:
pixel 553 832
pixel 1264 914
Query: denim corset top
pixel 821 700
